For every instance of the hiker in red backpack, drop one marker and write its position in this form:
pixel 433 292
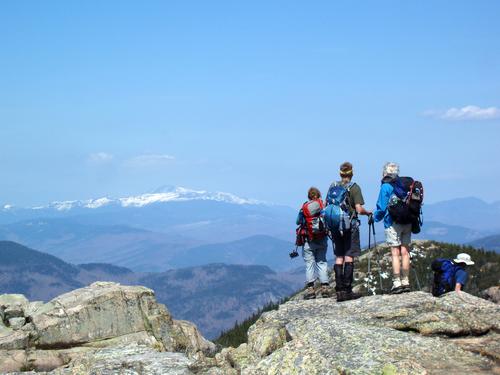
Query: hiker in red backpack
pixel 314 250
pixel 347 195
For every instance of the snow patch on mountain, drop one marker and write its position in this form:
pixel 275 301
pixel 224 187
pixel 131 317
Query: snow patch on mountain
pixel 161 195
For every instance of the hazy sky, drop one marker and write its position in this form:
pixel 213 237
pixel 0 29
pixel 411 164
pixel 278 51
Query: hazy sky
pixel 258 98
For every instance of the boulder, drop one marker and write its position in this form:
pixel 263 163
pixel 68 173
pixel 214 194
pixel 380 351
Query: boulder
pixel 132 359
pixel 492 294
pixel 17 323
pixel 85 321
pixel 12 306
pixel 412 333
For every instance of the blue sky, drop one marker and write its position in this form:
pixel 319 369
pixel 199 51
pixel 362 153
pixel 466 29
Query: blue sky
pixel 261 99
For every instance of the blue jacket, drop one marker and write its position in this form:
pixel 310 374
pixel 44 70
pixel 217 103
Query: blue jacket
pixel 386 191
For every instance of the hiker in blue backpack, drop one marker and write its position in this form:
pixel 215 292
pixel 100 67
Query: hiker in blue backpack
pixel 344 204
pixel 450 275
pixel 311 220
pixel 397 235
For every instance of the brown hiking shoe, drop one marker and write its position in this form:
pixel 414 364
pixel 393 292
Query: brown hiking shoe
pixel 326 291
pixel 310 293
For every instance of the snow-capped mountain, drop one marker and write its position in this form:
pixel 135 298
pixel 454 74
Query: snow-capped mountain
pixel 143 232
pixel 161 195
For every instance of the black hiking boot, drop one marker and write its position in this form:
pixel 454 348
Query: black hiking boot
pixel 341 296
pixel 347 281
pixel 338 269
pixel 397 289
pixel 406 288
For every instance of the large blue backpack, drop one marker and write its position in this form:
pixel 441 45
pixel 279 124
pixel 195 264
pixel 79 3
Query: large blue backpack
pixel 337 213
pixel 444 276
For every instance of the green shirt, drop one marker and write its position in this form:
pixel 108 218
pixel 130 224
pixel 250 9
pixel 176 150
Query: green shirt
pixel 355 197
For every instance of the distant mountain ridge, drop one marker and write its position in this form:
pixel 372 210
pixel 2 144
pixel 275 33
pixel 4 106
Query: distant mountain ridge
pixel 469 212
pixel 488 243
pixel 149 232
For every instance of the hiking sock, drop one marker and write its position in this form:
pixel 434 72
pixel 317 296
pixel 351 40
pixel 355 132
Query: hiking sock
pixel 338 269
pixel 405 277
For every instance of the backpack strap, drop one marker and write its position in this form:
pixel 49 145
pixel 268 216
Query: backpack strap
pixel 305 208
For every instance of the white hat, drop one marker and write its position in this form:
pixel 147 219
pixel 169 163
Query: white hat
pixel 464 258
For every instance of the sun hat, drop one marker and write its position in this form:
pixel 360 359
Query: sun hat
pixel 464 258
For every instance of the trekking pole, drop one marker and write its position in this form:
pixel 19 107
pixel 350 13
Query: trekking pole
pixel 378 259
pixel 415 273
pixel 372 225
pixel 369 250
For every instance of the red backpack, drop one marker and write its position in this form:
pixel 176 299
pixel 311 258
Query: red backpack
pixel 315 223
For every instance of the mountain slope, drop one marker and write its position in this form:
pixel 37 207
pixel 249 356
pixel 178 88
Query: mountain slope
pixel 34 274
pixel 466 212
pixel 121 245
pixel 260 249
pixel 215 296
pixel 488 243
pixel 436 231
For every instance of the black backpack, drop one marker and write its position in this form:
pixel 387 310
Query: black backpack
pixel 405 204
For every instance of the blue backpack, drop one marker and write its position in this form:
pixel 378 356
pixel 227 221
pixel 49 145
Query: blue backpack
pixel 337 214
pixel 444 276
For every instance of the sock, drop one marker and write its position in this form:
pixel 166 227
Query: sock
pixel 405 279
pixel 396 280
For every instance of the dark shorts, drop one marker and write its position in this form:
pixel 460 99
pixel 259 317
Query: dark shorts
pixel 347 244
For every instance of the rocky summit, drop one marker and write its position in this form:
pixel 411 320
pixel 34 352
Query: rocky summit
pixel 108 328
pixel 412 333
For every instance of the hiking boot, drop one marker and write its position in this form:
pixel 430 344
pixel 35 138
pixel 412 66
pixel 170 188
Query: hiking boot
pixel 338 269
pixel 341 296
pixel 350 295
pixel 405 284
pixel 347 280
pixel 406 288
pixel 310 293
pixel 326 291
pixel 397 289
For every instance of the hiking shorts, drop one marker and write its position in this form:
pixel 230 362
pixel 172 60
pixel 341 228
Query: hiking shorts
pixel 347 244
pixel 398 235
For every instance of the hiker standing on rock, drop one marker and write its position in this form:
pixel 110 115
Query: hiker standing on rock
pixel 397 236
pixel 346 201
pixel 314 250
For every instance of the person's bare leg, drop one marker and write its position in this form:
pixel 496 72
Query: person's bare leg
pixel 405 258
pixel 396 268
pixel 405 272
pixel 396 265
